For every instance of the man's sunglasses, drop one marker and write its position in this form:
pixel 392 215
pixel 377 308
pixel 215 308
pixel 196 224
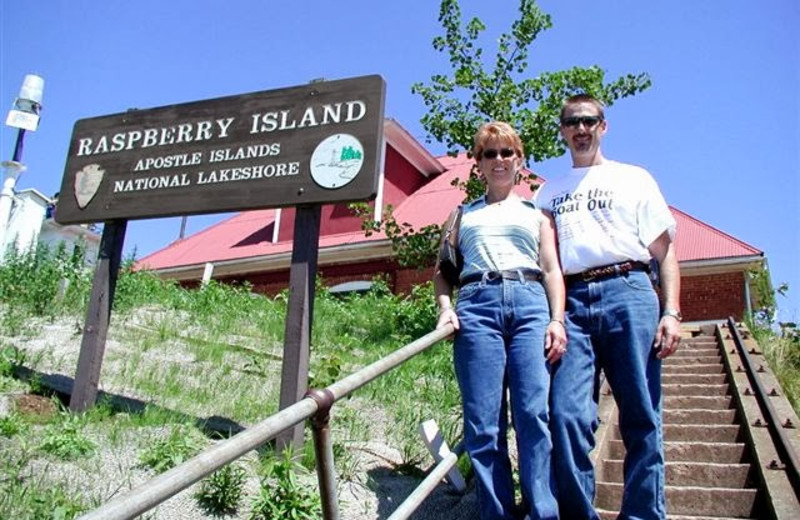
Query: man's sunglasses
pixel 588 121
pixel 491 153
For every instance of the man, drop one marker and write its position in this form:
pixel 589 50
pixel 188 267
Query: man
pixel 611 221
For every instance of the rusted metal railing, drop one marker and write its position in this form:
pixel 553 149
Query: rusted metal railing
pixel 316 404
pixel 783 444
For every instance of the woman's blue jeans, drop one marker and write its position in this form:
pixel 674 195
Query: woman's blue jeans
pixel 499 347
pixel 611 324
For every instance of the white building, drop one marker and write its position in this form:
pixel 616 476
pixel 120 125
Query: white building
pixel 31 221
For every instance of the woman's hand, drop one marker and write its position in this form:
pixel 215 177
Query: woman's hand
pixel 447 315
pixel 555 341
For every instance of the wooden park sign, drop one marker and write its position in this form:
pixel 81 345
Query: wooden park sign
pixel 317 143
pixel 302 146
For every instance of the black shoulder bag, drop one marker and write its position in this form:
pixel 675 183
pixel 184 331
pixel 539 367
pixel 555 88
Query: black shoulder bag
pixel 450 260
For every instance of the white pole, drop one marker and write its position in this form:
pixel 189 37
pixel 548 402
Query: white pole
pixel 208 272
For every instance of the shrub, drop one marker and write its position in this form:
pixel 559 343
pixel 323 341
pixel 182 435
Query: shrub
pixel 65 440
pixel 44 282
pixel 281 495
pixel 10 358
pixel 221 493
pixel 417 312
pixel 11 425
pixel 181 444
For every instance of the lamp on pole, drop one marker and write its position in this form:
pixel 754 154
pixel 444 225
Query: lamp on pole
pixel 24 116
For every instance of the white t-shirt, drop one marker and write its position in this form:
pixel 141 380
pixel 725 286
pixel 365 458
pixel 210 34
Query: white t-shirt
pixel 605 214
pixel 499 236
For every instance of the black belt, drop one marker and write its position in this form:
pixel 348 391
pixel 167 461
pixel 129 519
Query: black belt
pixel 606 271
pixel 519 275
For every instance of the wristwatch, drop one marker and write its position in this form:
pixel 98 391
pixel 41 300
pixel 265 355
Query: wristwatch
pixel 674 313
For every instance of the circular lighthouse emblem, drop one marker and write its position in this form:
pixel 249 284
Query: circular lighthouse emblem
pixel 336 161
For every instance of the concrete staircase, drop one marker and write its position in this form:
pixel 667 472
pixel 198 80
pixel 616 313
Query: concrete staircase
pixel 709 471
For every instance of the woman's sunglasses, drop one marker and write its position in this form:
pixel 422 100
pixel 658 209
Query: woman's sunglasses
pixel 491 153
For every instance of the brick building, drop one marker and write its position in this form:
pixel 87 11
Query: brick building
pixel 256 246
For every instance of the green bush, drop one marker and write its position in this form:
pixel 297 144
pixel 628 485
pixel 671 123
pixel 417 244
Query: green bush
pixel 10 358
pixel 221 493
pixel 282 495
pixel 182 443
pixel 11 425
pixel 140 288
pixel 44 282
pixel 65 440
pixel 783 355
pixel 417 312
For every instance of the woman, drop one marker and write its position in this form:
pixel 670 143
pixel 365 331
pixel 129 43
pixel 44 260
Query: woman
pixel 509 329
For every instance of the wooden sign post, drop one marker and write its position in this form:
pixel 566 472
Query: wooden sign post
pixel 98 316
pixel 299 317
pixel 304 146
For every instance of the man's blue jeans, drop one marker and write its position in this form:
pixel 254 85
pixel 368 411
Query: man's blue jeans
pixel 611 324
pixel 500 345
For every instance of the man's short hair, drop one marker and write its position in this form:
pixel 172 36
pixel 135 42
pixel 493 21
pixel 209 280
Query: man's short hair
pixel 583 98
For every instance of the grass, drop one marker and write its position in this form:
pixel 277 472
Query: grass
pixel 190 355
pixel 782 351
pixel 182 443
pixel 65 438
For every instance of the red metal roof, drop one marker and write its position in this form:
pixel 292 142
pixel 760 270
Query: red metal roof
pixel 696 240
pixel 249 234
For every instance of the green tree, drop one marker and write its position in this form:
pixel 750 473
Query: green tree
pixel 479 90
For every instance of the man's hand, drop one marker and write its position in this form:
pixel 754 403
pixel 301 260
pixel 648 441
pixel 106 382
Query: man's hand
pixel 668 336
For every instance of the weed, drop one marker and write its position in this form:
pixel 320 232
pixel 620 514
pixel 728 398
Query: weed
pixel 347 462
pixel 10 358
pixel 282 495
pixel 11 425
pixel 30 499
pixel 181 444
pixel 417 312
pixel 325 370
pixel 783 354
pixel 221 493
pixel 65 440
pixel 30 281
pixel 35 383
pixel 26 495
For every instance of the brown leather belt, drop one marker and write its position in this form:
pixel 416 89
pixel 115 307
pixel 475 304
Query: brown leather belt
pixel 606 271
pixel 530 275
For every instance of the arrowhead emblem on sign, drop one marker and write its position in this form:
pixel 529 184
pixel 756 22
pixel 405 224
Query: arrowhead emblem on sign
pixel 87 181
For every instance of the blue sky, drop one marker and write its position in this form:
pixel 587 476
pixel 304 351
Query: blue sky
pixel 719 128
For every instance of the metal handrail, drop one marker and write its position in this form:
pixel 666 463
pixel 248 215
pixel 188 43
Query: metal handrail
pixel 151 493
pixel 428 484
pixel 782 442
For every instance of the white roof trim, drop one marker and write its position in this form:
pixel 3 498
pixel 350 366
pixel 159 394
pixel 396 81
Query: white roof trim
pixel 35 193
pixel 373 250
pixel 720 265
pixel 398 138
